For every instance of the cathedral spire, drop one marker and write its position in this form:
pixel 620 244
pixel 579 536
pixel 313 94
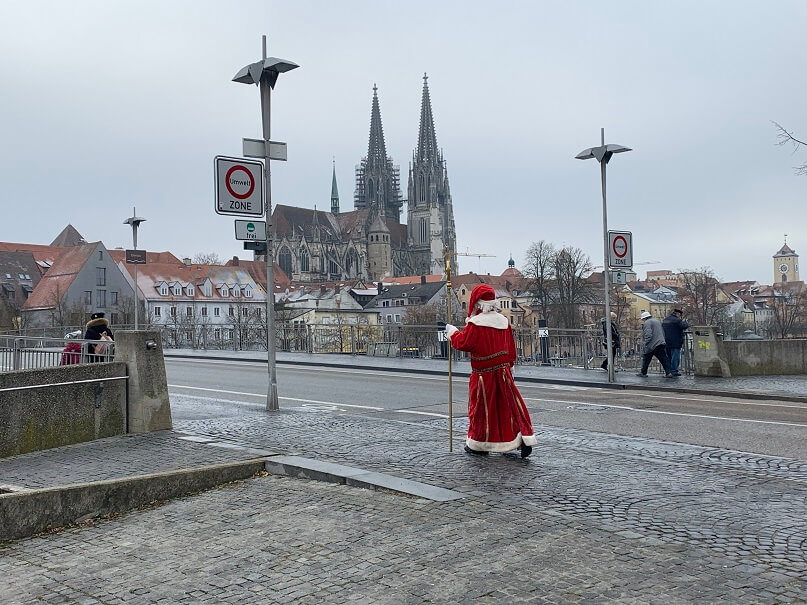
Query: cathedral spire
pixel 334 193
pixel 377 149
pixel 427 138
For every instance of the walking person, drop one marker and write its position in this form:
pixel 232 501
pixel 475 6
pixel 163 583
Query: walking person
pixel 616 343
pixel 674 326
pixel 653 343
pixel 98 329
pixel 498 417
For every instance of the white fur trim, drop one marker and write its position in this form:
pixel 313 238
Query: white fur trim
pixel 489 320
pixel 492 446
pixel 450 329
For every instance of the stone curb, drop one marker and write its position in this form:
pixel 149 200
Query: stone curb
pixel 561 381
pixel 30 512
pixel 26 512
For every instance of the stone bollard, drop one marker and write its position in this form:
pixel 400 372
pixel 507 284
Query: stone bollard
pixel 149 407
pixel 708 357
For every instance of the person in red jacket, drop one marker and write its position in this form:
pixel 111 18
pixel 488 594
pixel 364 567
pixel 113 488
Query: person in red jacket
pixel 498 418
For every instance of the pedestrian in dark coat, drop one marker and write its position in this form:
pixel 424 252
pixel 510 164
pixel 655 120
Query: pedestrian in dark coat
pixel 653 344
pixel 97 326
pixel 616 343
pixel 674 327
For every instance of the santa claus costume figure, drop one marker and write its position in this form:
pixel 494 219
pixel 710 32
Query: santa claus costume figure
pixel 498 418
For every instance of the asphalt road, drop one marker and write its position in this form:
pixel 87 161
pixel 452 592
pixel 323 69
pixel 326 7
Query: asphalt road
pixel 219 389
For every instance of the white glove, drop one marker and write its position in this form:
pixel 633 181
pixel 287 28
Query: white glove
pixel 450 329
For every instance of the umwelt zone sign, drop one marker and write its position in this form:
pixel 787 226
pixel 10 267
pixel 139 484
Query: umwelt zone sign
pixel 620 250
pixel 239 186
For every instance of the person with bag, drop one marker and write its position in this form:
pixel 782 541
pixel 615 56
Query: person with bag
pixel 498 420
pixel 98 329
pixel 616 342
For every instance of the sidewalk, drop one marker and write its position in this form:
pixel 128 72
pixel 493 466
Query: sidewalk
pixel 589 518
pixel 785 387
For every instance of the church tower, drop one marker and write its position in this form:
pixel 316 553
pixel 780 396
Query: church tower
pixel 430 213
pixel 785 265
pixel 334 193
pixel 378 182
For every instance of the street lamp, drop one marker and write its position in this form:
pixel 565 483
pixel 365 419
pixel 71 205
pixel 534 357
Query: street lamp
pixel 264 73
pixel 603 155
pixel 134 221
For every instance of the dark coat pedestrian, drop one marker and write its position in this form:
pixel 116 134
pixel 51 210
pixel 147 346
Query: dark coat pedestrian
pixel 653 344
pixel 674 327
pixel 95 328
pixel 616 341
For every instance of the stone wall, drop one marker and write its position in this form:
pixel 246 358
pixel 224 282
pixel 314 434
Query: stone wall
pixel 713 356
pixel 85 402
pixel 766 357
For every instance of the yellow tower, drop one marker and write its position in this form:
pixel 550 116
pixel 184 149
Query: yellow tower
pixel 785 265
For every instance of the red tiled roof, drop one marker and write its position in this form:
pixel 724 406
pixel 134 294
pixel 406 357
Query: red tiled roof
pixel 119 256
pixel 55 283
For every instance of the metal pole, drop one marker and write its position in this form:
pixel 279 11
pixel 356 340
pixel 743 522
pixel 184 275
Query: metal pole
pixel 605 272
pixel 448 350
pixel 271 394
pixel 134 245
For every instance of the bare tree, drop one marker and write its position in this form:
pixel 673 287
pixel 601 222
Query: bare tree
pixel 539 270
pixel 785 137
pixel 206 258
pixel 789 311
pixel 699 297
pixel 570 266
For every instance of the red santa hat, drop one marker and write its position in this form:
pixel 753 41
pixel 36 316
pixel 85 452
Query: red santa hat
pixel 481 292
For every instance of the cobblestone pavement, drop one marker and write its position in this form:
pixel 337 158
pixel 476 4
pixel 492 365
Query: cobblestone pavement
pixel 589 518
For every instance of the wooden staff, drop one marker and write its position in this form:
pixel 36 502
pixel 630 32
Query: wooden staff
pixel 448 349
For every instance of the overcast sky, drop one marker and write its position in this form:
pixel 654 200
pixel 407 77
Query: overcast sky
pixel 110 105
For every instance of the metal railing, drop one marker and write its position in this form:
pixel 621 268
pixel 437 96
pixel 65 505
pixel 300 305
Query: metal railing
pixel 27 352
pixel 566 348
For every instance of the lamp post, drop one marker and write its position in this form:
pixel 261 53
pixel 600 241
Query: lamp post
pixel 134 221
pixel 603 155
pixel 264 73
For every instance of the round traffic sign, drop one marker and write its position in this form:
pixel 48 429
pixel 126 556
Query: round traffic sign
pixel 240 182
pixel 620 246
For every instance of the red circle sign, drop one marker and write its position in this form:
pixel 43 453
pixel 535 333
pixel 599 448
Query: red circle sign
pixel 620 242
pixel 249 180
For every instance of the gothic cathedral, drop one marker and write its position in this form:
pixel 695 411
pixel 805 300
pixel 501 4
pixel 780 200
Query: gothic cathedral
pixel 369 242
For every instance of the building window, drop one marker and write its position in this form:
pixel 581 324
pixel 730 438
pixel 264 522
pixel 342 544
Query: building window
pixel 423 231
pixel 173 311
pixel 204 311
pixel 237 290
pixel 225 291
pixel 217 333
pixel 284 260
pixel 216 312
pixel 333 268
pixel 397 318
pixel 157 312
pixel 189 311
pixel 258 312
pixel 244 311
pixel 304 261
pixel 232 312
pixel 100 276
pixel 248 292
pixel 100 298
pixel 422 188
pixel 100 255
pixel 389 319
pixel 164 290
pixel 385 303
pixel 190 290
pixel 177 290
pixel 114 299
pixel 88 297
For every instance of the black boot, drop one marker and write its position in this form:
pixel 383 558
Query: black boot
pixel 526 450
pixel 475 452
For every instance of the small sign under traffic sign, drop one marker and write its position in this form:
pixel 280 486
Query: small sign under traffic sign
pixel 239 186
pixel 250 230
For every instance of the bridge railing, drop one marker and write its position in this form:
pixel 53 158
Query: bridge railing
pixel 27 352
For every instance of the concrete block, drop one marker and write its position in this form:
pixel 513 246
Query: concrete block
pixel 149 405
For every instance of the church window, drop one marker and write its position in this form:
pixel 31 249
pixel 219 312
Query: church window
pixel 284 260
pixel 304 263
pixel 422 188
pixel 351 264
pixel 423 230
pixel 370 189
pixel 333 268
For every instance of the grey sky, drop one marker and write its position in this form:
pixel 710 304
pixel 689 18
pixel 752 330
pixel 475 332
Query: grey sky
pixel 108 105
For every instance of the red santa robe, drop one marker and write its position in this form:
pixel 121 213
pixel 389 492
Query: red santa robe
pixel 498 418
